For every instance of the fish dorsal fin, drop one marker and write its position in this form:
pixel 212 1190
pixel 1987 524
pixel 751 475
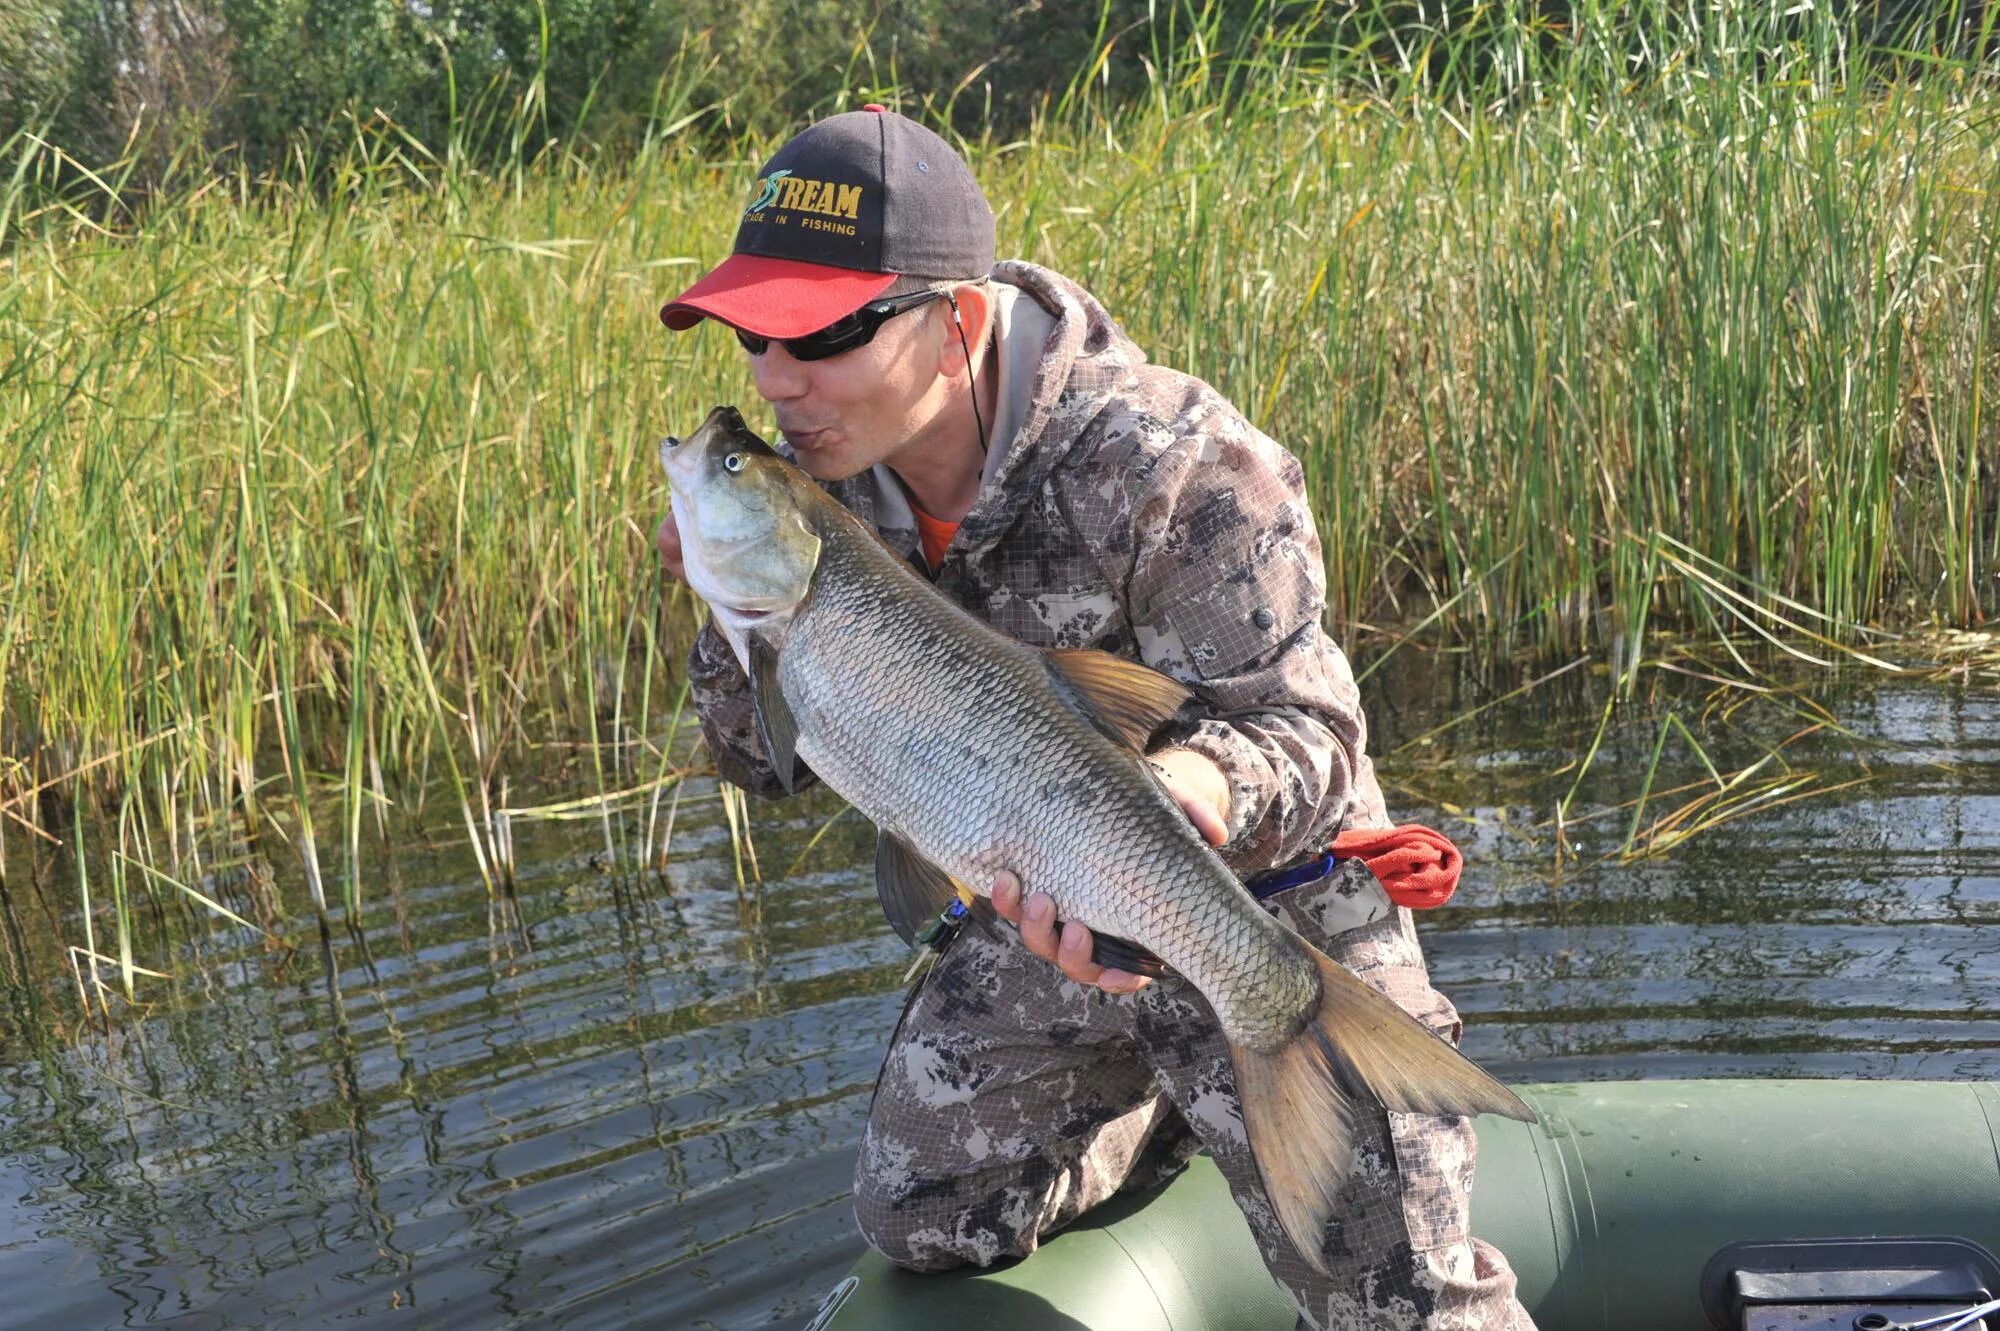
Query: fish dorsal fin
pixel 1130 699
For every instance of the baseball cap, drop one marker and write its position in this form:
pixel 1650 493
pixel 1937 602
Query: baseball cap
pixel 843 209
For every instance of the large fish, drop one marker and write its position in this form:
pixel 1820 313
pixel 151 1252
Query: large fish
pixel 975 753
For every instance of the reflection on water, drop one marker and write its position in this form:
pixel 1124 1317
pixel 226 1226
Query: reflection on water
pixel 643 1110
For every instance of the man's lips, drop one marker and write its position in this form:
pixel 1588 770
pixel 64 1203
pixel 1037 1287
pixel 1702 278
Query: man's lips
pixel 807 439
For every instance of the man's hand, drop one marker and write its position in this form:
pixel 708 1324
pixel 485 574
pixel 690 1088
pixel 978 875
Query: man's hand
pixel 1071 952
pixel 668 541
pixel 1199 787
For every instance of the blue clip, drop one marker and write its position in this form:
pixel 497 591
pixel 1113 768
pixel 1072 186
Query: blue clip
pixel 1270 884
pixel 944 928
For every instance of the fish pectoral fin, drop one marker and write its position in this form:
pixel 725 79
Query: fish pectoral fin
pixel 1126 699
pixel 775 723
pixel 912 889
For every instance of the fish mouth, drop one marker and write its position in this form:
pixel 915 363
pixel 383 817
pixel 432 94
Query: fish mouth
pixel 743 616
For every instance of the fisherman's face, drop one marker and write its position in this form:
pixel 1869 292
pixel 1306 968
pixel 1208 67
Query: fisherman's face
pixel 844 414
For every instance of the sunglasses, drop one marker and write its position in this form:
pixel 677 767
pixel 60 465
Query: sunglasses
pixel 843 334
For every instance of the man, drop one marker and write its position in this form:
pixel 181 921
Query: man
pixel 995 425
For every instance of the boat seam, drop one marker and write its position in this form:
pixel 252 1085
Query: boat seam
pixel 1980 1094
pixel 1166 1314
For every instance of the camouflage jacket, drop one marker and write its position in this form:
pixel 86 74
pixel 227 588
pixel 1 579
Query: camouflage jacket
pixel 1134 510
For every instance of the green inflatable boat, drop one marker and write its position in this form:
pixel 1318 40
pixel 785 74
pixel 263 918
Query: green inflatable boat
pixel 1674 1205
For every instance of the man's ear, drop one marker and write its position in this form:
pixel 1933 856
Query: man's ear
pixel 973 306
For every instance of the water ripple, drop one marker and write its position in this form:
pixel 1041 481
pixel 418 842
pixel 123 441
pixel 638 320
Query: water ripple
pixel 643 1106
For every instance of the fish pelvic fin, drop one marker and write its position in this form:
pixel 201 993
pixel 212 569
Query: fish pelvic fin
pixel 1123 698
pixel 1299 1100
pixel 775 724
pixel 913 890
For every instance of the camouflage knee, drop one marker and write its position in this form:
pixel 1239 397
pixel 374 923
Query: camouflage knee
pixel 943 1223
pixel 986 1132
pixel 929 1216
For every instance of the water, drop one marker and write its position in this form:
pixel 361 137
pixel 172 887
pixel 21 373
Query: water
pixel 642 1107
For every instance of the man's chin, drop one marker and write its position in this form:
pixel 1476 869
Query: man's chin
pixel 826 466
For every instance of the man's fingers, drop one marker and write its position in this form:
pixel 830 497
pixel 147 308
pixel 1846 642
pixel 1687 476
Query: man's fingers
pixel 1007 897
pixel 1073 955
pixel 1196 784
pixel 1204 817
pixel 1038 920
pixel 1070 951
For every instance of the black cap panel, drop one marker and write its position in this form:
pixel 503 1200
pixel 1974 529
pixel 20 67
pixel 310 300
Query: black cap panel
pixel 940 224
pixel 820 200
pixel 872 191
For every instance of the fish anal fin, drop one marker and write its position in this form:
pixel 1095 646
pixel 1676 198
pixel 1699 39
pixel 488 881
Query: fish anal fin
pixel 911 888
pixel 1134 700
pixel 775 723
pixel 1299 1099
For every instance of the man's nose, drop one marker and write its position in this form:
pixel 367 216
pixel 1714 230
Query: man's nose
pixel 779 378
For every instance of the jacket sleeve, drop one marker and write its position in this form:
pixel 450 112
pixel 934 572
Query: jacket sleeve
pixel 720 692
pixel 1226 594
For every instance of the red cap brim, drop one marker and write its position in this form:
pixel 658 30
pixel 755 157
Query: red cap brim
pixel 774 297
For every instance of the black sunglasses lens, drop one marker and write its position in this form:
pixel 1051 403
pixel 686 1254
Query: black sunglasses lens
pixel 843 334
pixel 845 327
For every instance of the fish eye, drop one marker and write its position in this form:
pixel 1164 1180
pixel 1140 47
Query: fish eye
pixel 670 442
pixel 733 463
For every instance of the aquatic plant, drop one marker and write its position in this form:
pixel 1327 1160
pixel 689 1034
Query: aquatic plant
pixel 324 483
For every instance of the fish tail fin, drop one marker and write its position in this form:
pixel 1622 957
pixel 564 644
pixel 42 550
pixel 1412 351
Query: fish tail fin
pixel 1298 1100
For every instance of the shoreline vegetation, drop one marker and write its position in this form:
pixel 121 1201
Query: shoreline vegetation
pixel 334 483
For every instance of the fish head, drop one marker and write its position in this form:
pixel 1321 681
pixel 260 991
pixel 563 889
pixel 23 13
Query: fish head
pixel 743 511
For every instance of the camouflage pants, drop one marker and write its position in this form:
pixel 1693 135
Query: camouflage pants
pixel 1012 1100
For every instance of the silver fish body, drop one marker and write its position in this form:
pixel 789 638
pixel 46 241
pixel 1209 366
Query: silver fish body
pixel 961 741
pixel 974 753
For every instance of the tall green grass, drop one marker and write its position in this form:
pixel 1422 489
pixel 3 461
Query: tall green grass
pixel 322 486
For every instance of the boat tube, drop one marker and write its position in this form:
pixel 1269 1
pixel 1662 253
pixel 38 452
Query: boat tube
pixel 1630 1205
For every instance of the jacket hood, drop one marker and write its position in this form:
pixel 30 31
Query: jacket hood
pixel 1084 361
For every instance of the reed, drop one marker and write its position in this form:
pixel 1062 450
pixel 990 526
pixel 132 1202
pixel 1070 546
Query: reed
pixel 321 483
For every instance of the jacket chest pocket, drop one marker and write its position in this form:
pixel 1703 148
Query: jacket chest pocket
pixel 1044 597
pixel 1227 618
